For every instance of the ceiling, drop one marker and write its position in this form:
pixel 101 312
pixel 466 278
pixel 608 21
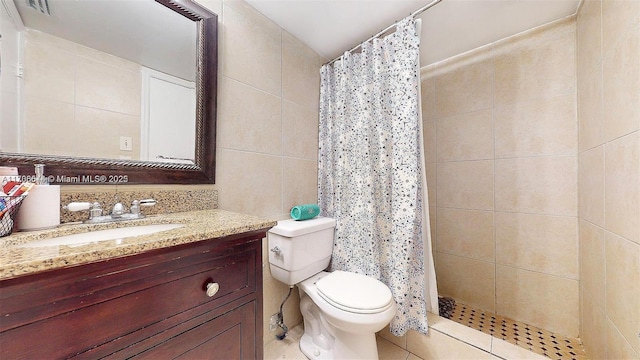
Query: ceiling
pixel 451 27
pixel 329 27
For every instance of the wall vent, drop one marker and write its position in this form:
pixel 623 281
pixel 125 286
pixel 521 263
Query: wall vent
pixel 41 6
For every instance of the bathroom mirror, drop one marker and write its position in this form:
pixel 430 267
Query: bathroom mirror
pixel 89 168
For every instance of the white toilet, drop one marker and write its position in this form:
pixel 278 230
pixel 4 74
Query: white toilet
pixel 342 310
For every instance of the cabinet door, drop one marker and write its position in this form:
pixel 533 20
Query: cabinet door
pixel 161 300
pixel 229 336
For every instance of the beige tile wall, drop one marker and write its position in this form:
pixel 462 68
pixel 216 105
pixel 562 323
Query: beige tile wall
pixel 70 91
pixel 501 149
pixel 267 140
pixel 608 49
pixel 268 115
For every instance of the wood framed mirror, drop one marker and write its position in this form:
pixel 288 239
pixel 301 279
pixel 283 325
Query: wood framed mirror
pixel 67 170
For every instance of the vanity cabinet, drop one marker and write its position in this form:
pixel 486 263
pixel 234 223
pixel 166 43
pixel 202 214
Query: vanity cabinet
pixel 154 305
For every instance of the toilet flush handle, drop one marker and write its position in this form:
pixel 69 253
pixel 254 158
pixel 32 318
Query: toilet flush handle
pixel 276 250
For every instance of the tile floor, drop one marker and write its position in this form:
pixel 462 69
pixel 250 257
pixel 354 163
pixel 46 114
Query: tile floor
pixel 496 335
pixel 289 349
pixel 540 341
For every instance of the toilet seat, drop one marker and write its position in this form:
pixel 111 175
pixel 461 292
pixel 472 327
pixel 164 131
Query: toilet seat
pixel 354 292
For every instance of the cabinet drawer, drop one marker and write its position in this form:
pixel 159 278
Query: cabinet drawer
pixel 124 301
pixel 37 297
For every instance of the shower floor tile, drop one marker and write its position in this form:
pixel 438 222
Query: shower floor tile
pixel 540 341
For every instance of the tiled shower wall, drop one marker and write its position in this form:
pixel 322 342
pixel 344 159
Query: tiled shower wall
pixel 500 129
pixel 608 48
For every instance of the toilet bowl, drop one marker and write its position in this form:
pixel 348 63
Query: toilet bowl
pixel 341 310
pixel 350 327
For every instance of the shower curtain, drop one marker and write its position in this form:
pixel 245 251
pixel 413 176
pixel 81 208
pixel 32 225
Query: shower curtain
pixel 371 171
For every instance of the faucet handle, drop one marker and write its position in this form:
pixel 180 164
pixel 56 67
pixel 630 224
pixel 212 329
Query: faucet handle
pixel 137 204
pixel 147 202
pixel 95 211
pixel 77 206
pixel 135 207
pixel 94 208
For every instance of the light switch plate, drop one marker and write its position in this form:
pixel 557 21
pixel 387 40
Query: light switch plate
pixel 125 143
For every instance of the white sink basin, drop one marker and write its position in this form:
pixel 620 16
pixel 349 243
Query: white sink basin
pixel 101 235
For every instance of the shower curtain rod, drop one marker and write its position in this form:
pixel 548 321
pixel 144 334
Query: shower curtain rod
pixel 413 14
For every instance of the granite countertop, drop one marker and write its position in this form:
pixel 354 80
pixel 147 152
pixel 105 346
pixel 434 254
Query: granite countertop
pixel 199 225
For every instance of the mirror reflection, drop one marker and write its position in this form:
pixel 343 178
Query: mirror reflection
pixel 101 78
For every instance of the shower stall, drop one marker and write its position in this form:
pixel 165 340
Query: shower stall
pixel 532 150
pixel 500 129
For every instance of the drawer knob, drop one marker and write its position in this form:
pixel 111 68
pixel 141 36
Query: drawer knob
pixel 212 289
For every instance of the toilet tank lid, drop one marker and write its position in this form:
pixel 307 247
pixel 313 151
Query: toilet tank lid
pixel 291 228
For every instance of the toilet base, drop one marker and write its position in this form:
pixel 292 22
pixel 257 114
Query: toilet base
pixel 357 347
pixel 324 341
pixel 312 351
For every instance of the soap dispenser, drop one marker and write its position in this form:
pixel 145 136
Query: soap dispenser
pixel 41 208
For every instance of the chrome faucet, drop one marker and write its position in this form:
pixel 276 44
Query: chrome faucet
pixel 118 213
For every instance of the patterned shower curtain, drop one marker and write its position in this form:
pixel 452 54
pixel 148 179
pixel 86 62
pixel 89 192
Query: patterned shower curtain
pixel 371 171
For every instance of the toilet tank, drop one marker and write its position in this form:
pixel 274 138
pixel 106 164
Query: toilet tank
pixel 300 249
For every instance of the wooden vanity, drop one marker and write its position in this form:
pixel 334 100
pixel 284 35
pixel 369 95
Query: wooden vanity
pixel 198 299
